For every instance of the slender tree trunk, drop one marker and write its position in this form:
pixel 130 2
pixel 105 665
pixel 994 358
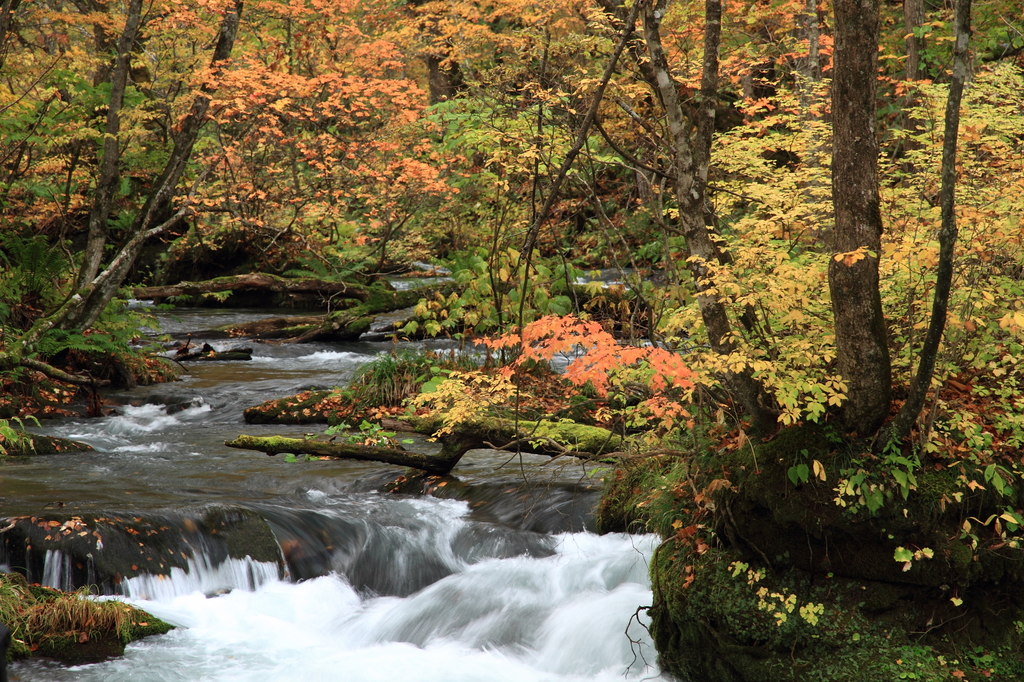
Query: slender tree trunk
pixel 106 185
pixel 7 9
pixel 913 18
pixel 101 289
pixel 904 421
pixel 862 353
pixel 691 163
pixel 810 67
pixel 526 259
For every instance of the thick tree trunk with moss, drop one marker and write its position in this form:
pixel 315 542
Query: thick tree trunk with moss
pixel 862 352
pixel 775 581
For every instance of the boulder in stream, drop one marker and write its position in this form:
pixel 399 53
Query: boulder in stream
pixel 69 626
pixel 102 551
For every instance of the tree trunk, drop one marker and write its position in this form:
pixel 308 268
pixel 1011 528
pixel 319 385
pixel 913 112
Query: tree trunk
pixel 810 67
pixel 913 18
pixel 861 351
pixel 107 183
pixel 99 291
pixel 444 80
pixel 691 163
pixel 7 9
pixel 904 421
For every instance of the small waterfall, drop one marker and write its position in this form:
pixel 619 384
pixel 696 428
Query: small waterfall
pixel 213 549
pixel 201 575
pixel 57 570
pixel 558 618
pixel 393 547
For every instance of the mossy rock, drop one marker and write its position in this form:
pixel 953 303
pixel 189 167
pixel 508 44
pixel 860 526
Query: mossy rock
pixel 307 407
pixel 734 623
pixel 707 628
pixel 45 445
pixel 641 496
pixel 101 550
pixel 70 627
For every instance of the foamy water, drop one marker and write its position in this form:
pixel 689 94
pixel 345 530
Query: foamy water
pixel 555 619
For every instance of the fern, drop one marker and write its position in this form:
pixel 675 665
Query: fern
pixel 33 263
pixel 310 267
pixel 58 340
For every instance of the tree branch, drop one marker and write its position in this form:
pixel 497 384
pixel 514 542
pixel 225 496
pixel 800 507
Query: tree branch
pixel 61 375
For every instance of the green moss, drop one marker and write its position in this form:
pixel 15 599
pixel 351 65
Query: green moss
pixel 737 623
pixel 643 496
pixel 69 626
pixel 879 621
pixel 575 436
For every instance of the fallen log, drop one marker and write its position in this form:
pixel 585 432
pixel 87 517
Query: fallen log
pixel 208 353
pixel 350 323
pixel 268 328
pixel 293 291
pixel 546 438
pixel 346 324
pixel 275 445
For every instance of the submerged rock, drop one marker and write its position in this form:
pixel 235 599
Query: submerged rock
pixel 45 445
pixel 101 551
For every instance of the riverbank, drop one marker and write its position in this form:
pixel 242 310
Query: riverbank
pixel 761 578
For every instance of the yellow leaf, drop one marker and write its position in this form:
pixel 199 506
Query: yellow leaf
pixel 819 470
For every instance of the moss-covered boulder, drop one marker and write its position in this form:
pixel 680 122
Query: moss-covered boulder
pixel 306 407
pixel 70 627
pixel 765 578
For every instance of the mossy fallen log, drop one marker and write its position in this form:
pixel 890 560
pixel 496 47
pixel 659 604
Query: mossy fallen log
pixel 344 324
pixel 350 323
pixel 257 287
pixel 546 438
pixel 208 354
pixel 269 328
pixel 275 445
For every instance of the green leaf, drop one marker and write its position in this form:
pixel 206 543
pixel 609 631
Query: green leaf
pixel 903 554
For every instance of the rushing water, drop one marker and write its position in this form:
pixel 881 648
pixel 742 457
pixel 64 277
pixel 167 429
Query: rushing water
pixel 500 581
